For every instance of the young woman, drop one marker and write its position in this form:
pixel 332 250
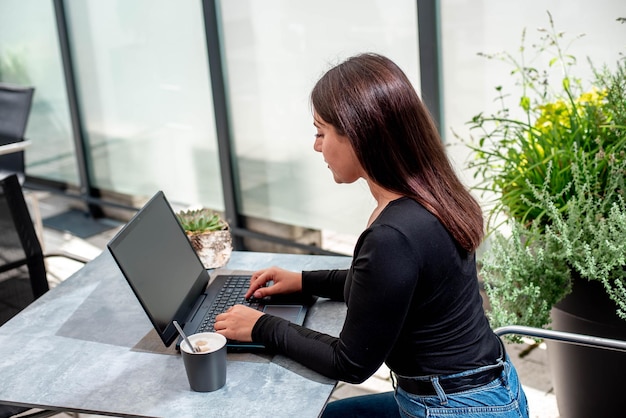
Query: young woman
pixel 411 291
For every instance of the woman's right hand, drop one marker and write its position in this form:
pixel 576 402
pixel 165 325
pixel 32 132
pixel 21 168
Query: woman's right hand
pixel 283 281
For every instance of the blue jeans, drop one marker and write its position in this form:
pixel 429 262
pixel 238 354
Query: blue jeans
pixel 502 398
pixel 379 405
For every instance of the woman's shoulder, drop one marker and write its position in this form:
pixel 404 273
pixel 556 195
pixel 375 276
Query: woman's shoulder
pixel 404 217
pixel 406 211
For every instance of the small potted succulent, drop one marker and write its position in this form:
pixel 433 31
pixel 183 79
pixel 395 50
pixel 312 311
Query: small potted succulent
pixel 209 235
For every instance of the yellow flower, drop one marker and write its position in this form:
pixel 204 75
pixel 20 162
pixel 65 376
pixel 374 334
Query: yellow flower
pixel 593 97
pixel 555 116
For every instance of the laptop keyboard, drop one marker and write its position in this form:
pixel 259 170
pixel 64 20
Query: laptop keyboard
pixel 232 293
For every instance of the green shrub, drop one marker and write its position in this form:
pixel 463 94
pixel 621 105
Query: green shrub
pixel 530 270
pixel 556 126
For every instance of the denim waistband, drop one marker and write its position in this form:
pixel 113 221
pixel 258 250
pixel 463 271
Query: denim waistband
pixel 452 383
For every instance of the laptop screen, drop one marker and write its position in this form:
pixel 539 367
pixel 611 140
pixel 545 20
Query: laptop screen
pixel 160 265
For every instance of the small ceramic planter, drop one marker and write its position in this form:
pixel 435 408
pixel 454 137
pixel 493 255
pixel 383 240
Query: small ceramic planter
pixel 213 248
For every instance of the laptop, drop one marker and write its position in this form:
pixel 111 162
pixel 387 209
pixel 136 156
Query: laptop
pixel 169 280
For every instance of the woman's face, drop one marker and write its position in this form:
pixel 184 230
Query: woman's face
pixel 337 151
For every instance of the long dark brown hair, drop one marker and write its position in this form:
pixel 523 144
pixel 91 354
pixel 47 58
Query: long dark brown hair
pixel 369 99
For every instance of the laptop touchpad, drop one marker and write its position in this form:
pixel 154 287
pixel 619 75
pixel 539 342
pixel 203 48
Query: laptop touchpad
pixel 288 312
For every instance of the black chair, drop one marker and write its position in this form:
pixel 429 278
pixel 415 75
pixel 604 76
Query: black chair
pixel 15 105
pixel 577 387
pixel 23 276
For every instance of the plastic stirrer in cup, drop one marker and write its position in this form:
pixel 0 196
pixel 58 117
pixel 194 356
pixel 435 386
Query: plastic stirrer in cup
pixel 180 331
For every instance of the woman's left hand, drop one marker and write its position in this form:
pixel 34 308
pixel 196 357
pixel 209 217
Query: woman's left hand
pixel 237 322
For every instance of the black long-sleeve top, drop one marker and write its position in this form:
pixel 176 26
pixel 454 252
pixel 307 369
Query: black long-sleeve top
pixel 413 302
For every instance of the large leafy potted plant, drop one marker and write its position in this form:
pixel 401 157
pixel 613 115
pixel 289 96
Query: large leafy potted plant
pixel 556 171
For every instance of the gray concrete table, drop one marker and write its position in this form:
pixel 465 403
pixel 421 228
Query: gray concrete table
pixel 85 346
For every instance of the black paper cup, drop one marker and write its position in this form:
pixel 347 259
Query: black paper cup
pixel 206 370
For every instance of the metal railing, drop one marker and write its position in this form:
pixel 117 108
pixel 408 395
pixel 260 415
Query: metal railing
pixel 568 337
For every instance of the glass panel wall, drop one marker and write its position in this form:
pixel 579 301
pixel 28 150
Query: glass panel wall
pixel 275 50
pixel 29 56
pixel 145 98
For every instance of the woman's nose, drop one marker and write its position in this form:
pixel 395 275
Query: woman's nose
pixel 317 145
